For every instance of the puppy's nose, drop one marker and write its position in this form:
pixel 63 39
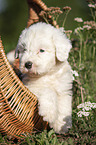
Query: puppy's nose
pixel 28 64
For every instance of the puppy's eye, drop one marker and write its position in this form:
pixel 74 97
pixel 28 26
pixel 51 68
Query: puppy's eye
pixel 25 49
pixel 42 50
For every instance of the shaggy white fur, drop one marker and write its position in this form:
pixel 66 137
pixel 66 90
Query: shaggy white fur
pixel 43 58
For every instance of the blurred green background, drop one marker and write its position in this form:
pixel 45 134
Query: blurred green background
pixel 14 15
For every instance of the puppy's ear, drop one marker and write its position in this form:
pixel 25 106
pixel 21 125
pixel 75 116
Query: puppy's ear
pixel 17 52
pixel 62 45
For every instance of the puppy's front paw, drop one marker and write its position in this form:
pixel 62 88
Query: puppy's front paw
pixel 48 107
pixel 48 111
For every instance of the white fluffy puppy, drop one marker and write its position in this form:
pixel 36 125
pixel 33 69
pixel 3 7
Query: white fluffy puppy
pixel 43 58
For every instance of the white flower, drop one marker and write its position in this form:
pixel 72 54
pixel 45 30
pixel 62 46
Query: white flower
pixel 94 105
pixel 78 19
pixel 80 105
pixel 78 29
pixel 88 104
pixel 74 73
pixel 86 113
pixel 85 107
pixel 79 114
pixel 87 27
pixel 91 6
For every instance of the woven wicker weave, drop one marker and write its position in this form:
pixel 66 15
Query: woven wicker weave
pixel 18 106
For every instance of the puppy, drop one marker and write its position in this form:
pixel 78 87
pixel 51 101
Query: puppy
pixel 43 52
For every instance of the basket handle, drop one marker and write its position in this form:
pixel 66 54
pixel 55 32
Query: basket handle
pixel 35 7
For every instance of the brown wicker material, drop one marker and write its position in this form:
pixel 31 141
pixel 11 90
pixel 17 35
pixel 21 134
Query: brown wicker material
pixel 18 106
pixel 35 7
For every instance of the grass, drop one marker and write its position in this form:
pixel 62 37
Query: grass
pixel 82 59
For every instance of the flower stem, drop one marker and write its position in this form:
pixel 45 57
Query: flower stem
pixel 80 55
pixel 65 18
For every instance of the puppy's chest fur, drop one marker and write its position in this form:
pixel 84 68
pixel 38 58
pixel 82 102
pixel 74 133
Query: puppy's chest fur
pixel 59 79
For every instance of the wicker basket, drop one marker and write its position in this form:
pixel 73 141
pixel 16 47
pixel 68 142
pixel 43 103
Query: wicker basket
pixel 18 106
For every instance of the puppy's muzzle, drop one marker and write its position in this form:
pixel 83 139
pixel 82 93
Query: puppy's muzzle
pixel 28 64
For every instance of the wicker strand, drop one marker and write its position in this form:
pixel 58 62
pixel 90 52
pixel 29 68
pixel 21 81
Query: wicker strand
pixel 41 4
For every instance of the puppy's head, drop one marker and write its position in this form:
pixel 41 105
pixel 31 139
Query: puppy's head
pixel 38 47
